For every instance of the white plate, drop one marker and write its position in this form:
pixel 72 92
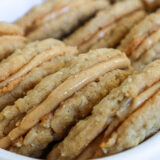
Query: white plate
pixel 10 10
pixel 148 150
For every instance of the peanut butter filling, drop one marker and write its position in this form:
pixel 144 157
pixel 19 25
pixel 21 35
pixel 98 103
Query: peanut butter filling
pixel 54 126
pixel 35 96
pixel 149 56
pixel 85 131
pixel 34 77
pixel 137 127
pixel 139 34
pixel 147 44
pixel 96 149
pixel 10 29
pixel 11 38
pixel 111 35
pixel 77 14
pixel 9 66
pixel 125 111
pixel 9 44
pixel 15 79
pixel 117 11
pixel 62 92
pixel 39 12
pixel 60 9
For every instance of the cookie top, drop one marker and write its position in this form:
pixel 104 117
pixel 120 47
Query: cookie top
pixel 151 5
pixel 10 29
pixel 107 60
pixel 105 22
pixel 141 39
pixel 51 18
pixel 103 113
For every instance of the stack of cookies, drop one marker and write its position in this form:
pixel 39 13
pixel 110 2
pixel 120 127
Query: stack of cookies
pixel 80 79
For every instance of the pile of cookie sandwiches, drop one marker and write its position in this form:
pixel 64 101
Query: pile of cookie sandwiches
pixel 80 79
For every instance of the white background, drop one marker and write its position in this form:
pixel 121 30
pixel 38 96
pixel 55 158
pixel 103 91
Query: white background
pixel 10 10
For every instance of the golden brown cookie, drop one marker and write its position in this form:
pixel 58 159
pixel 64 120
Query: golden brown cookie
pixel 10 29
pixel 64 55
pixel 87 105
pixel 9 44
pixel 34 54
pixel 108 27
pixel 11 38
pixel 60 86
pixel 140 125
pixel 57 18
pixel 141 44
pixel 151 5
pixel 55 126
pixel 29 80
pixel 110 107
pixel 96 148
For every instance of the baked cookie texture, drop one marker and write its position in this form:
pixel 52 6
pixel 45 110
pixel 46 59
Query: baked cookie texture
pixel 93 94
pixel 150 5
pixel 51 18
pixel 108 27
pixel 78 87
pixel 13 75
pixel 119 104
pixel 136 128
pixel 142 42
pixel 11 38
pixel 52 56
pixel 55 126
